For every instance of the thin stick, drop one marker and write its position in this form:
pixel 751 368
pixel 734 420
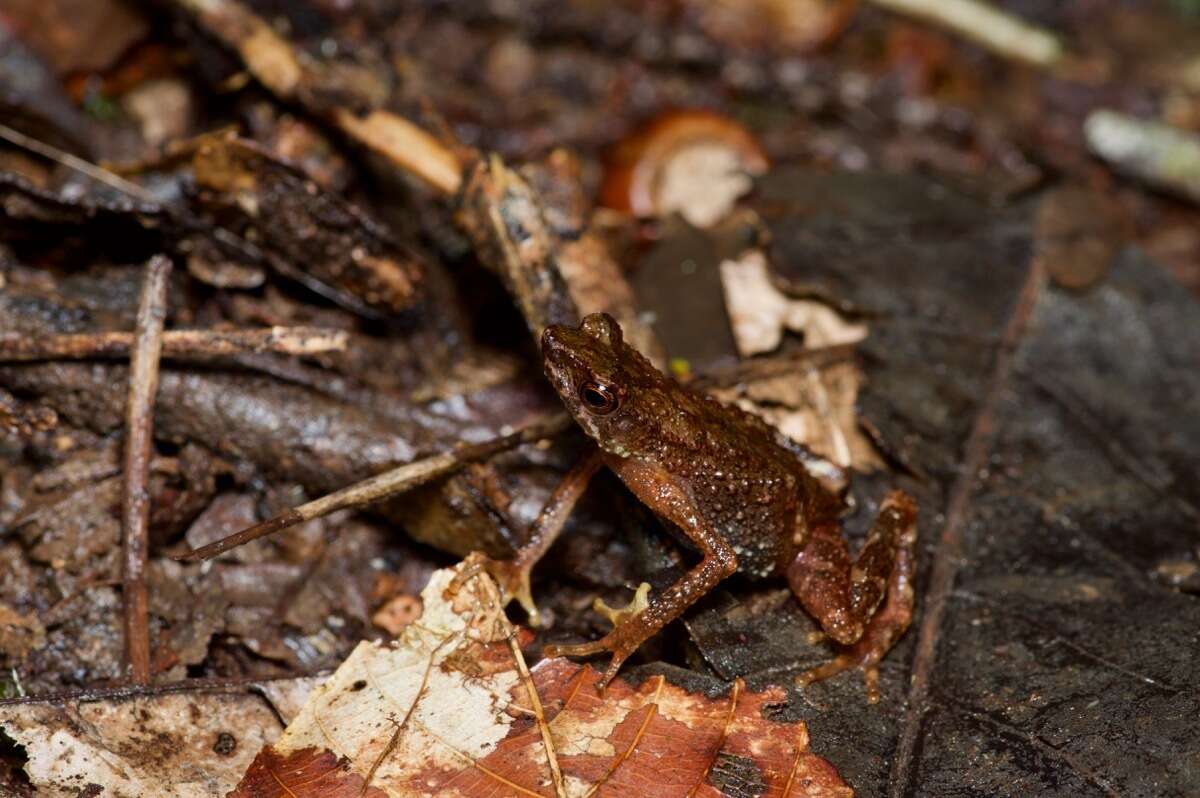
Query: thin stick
pixel 535 701
pixel 381 486
pixel 78 164
pixel 175 343
pixel 139 435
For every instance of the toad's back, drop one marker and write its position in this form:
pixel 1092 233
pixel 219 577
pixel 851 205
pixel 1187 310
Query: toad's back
pixel 749 489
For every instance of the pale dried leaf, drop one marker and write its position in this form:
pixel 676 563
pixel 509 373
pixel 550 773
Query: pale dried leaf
pixel 760 312
pixel 702 183
pixel 178 745
pixel 815 406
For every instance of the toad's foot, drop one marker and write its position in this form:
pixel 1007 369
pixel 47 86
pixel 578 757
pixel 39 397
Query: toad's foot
pixel 629 631
pixel 867 662
pixel 640 601
pixel 882 633
pixel 512 577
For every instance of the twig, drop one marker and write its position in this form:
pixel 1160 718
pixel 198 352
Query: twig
pixel 86 695
pixel 96 173
pixel 139 437
pixel 405 145
pixel 176 343
pixel 994 29
pixel 491 596
pixel 734 695
pixel 766 366
pixel 381 486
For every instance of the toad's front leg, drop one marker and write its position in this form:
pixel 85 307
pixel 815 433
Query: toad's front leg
pixel 845 597
pixel 642 619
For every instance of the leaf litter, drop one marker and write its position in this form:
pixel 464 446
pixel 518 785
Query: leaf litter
pixel 450 709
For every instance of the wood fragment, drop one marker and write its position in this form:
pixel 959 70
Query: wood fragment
pixel 382 486
pixel 502 215
pixel 175 344
pixel 997 30
pixel 139 439
pixel 405 145
pixel 275 64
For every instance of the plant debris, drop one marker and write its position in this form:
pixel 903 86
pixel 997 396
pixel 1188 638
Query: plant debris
pixel 450 706
pixel 273 282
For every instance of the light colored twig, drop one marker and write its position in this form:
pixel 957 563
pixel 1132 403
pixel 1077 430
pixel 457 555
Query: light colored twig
pixel 78 164
pixel 291 76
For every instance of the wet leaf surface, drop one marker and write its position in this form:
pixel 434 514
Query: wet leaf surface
pixel 1058 450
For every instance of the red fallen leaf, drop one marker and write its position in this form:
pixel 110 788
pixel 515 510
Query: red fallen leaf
pixel 307 773
pixel 655 740
pixel 450 709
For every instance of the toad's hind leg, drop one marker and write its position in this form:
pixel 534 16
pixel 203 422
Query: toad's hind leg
pixel 845 597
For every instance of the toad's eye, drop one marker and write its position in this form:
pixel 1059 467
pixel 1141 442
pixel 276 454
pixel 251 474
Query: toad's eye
pixel 598 398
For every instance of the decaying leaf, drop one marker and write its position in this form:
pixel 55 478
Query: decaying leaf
pixel 760 312
pixel 174 745
pixel 450 709
pixel 695 163
pixel 813 405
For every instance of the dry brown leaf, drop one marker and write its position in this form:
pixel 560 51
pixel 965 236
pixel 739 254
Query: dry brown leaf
pixel 450 709
pixel 760 312
pixel 306 773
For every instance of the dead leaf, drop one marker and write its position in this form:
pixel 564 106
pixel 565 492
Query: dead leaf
pixel 760 312
pixel 450 709
pixel 814 405
pixel 177 745
pixel 307 773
